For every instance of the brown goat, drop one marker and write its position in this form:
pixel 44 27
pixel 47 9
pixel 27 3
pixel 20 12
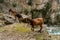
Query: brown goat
pixel 36 21
pixel 16 15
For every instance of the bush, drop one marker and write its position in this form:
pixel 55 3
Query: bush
pixel 14 4
pixel 30 2
pixel 26 11
pixel 57 19
pixel 35 13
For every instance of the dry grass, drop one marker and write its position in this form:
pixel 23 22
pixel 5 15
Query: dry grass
pixel 39 37
pixel 15 27
pixel 20 28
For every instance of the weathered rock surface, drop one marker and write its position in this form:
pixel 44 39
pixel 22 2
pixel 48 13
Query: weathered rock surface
pixel 6 19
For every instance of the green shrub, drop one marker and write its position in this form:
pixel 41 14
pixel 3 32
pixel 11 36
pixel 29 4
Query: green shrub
pixel 30 2
pixel 35 13
pixel 14 4
pixel 57 19
pixel 26 11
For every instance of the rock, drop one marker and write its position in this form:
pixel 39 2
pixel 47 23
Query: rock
pixel 7 19
pixel 10 19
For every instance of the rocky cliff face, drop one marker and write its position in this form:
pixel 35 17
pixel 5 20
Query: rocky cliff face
pixel 25 6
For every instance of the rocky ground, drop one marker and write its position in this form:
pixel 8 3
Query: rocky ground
pixel 20 31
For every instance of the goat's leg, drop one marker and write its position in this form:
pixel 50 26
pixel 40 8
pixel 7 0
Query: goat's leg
pixel 16 19
pixel 32 28
pixel 20 20
pixel 40 28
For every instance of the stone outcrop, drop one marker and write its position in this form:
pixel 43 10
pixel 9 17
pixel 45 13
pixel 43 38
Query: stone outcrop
pixel 22 6
pixel 6 19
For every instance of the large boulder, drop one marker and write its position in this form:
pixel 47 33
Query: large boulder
pixel 9 19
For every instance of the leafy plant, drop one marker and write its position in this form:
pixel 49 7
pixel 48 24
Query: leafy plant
pixel 30 2
pixel 14 4
pixel 57 19
pixel 26 11
pixel 35 13
pixel 45 10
